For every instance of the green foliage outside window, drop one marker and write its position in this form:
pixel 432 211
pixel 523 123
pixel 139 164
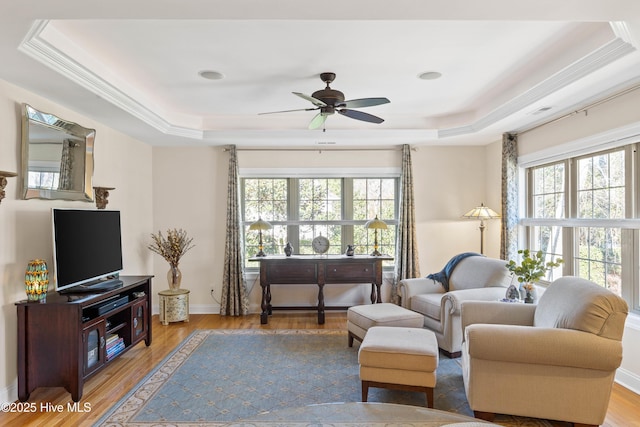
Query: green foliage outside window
pixel 303 208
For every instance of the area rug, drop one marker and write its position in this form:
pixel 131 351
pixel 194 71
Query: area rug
pixel 217 377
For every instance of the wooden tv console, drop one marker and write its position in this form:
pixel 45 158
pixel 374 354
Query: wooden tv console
pixel 63 341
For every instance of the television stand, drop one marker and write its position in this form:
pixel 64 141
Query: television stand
pixel 65 339
pixel 94 287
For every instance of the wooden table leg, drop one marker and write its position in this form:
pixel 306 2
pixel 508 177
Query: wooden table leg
pixel 379 299
pixel 320 304
pixel 269 306
pixel 264 316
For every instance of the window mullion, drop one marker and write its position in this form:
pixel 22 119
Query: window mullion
pixel 347 212
pixel 293 209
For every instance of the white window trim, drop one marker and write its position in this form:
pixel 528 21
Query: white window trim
pixel 388 172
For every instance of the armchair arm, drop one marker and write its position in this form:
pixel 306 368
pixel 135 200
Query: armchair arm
pixel 408 288
pixel 543 346
pixel 502 313
pixel 453 299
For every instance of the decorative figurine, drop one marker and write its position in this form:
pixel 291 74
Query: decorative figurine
pixel 288 249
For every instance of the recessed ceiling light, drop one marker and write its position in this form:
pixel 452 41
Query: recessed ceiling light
pixel 211 75
pixel 429 75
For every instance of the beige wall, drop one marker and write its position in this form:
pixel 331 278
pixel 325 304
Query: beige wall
pixel 25 225
pixel 617 113
pixel 190 193
pixel 608 118
pixel 158 188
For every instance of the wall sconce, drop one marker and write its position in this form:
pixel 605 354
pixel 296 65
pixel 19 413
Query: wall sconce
pixel 260 225
pixel 481 212
pixel 102 194
pixel 3 181
pixel 376 224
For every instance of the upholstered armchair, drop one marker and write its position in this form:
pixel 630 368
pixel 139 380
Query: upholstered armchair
pixel 555 360
pixel 474 278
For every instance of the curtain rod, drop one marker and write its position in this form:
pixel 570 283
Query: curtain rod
pixel 583 109
pixel 318 149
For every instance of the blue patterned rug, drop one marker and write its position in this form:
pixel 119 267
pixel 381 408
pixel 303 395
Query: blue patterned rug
pixel 219 376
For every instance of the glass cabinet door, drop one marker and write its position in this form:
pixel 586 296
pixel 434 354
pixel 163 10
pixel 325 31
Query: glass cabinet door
pixel 139 321
pixel 94 344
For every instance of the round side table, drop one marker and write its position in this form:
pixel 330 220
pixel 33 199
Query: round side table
pixel 174 306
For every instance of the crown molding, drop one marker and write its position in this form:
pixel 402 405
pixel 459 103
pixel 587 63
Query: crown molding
pixel 605 55
pixel 37 47
pixel 622 31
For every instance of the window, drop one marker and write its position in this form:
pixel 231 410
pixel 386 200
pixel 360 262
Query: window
pixel 548 202
pixel 601 196
pixel 43 179
pixel 580 210
pixel 300 209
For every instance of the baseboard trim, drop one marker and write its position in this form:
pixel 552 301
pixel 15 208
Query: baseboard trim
pixel 9 393
pixel 628 379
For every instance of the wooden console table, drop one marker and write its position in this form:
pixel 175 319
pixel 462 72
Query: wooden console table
pixel 319 270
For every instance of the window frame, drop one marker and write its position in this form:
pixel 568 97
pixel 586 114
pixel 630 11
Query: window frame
pixel 629 225
pixel 347 222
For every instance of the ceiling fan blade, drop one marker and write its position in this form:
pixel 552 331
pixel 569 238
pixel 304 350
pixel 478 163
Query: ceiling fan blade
pixel 359 115
pixel 311 99
pixel 289 111
pixel 318 121
pixel 364 102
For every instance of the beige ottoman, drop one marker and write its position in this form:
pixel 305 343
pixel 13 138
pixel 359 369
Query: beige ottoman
pixel 362 317
pixel 399 358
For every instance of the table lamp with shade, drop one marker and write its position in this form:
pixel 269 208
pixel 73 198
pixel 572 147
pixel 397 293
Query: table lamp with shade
pixel 260 225
pixel 375 224
pixel 481 212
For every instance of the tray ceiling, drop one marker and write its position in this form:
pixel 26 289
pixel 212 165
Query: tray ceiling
pixel 139 71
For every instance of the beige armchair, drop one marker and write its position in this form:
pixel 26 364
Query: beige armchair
pixel 474 278
pixel 555 360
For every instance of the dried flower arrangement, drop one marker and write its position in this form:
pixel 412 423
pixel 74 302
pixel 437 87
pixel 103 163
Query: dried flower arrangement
pixel 173 246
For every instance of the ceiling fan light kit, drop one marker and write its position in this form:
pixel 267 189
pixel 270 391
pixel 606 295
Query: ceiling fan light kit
pixel 329 101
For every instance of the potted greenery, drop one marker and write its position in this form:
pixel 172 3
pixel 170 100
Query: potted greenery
pixel 531 269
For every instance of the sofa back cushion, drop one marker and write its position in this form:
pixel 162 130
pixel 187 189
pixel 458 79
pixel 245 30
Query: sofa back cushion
pixel 479 272
pixel 575 303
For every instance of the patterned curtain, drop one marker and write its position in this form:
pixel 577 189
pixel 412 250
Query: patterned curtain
pixel 66 165
pixel 407 265
pixel 235 301
pixel 509 234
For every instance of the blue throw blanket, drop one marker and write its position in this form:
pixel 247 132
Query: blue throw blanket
pixel 443 276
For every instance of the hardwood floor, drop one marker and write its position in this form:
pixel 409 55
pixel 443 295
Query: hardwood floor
pixel 108 386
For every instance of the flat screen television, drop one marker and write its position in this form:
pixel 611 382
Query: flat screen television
pixel 87 249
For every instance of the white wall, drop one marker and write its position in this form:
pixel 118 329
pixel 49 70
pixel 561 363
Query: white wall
pixel 574 133
pixel 25 225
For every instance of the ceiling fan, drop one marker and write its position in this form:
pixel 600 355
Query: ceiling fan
pixel 330 101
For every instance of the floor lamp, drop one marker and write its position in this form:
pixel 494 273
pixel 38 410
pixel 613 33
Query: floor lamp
pixel 260 225
pixel 481 212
